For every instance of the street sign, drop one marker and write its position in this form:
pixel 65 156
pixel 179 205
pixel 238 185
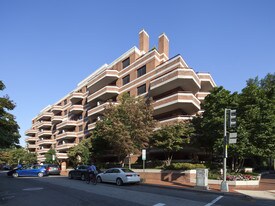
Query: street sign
pixel 232 138
pixel 144 154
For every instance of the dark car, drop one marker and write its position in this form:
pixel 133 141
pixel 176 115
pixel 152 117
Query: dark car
pixel 79 172
pixel 52 169
pixel 29 170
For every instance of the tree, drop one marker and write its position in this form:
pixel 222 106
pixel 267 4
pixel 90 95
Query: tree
pixel 209 126
pixel 15 156
pixel 49 157
pixel 171 138
pixel 80 154
pixel 9 134
pixel 125 128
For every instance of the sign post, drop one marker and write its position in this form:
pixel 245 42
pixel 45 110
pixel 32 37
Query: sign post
pixel 143 159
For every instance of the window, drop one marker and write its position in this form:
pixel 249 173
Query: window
pixel 65 101
pixel 141 71
pixel 126 63
pixel 126 80
pixel 141 89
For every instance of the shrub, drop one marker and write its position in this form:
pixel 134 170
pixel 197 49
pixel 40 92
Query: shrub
pixel 184 166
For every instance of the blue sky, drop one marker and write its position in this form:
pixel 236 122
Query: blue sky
pixel 48 47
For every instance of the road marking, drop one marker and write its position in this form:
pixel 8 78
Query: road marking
pixel 33 189
pixel 217 199
pixel 159 204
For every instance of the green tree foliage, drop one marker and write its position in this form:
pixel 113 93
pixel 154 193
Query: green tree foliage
pixel 255 107
pixel 209 127
pixel 257 115
pixel 81 153
pixel 125 128
pixel 9 134
pixel 49 157
pixel 15 156
pixel 171 138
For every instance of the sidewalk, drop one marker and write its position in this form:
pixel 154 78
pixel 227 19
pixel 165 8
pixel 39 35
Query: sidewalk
pixel 266 189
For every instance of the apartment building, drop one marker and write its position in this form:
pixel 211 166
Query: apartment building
pixel 177 92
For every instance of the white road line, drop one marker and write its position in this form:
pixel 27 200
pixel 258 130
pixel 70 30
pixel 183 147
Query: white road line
pixel 217 199
pixel 159 204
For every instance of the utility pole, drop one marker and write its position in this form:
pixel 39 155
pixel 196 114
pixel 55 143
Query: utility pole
pixel 230 139
pixel 224 184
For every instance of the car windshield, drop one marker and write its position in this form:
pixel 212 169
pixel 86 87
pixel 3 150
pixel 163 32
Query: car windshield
pixel 126 170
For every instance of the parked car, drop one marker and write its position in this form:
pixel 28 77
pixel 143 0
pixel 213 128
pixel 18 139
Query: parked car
pixel 52 169
pixel 79 172
pixel 119 176
pixel 29 170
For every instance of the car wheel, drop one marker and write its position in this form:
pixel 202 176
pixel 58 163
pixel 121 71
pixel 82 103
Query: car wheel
pixel 40 174
pixel 119 182
pixel 15 174
pixel 98 179
pixel 82 177
pixel 70 176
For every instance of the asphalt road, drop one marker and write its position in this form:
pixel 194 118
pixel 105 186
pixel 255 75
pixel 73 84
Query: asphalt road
pixel 59 191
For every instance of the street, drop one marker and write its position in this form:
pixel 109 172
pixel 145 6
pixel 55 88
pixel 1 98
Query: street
pixel 59 190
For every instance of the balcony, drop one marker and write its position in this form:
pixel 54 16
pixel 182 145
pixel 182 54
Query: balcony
pixel 66 135
pixel 66 124
pixel 44 133
pixel 31 139
pixel 30 132
pixel 76 109
pixel 207 83
pixel 31 146
pixel 61 155
pixel 201 95
pixel 91 126
pixel 44 124
pixel 76 97
pixel 57 119
pixel 103 79
pixel 104 94
pixel 45 142
pixel 184 101
pixel 44 116
pixel 183 78
pixel 57 109
pixel 43 151
pixel 172 120
pixel 99 109
pixel 65 146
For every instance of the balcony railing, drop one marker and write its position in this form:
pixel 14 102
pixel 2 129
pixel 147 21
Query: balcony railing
pixel 76 97
pixel 45 142
pixel 44 133
pixel 30 132
pixel 104 94
pixel 99 109
pixel 103 79
pixel 179 78
pixel 66 135
pixel 66 124
pixel 45 116
pixel 207 83
pixel 76 109
pixel 44 124
pixel 65 146
pixel 180 100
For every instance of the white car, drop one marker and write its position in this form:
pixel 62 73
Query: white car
pixel 119 176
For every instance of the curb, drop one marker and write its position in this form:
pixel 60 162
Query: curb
pixel 192 189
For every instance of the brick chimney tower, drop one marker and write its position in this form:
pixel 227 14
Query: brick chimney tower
pixel 143 41
pixel 164 45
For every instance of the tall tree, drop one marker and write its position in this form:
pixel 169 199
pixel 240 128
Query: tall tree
pixel 49 157
pixel 81 153
pixel 9 134
pixel 171 138
pixel 126 127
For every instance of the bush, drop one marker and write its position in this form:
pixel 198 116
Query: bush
pixel 184 166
